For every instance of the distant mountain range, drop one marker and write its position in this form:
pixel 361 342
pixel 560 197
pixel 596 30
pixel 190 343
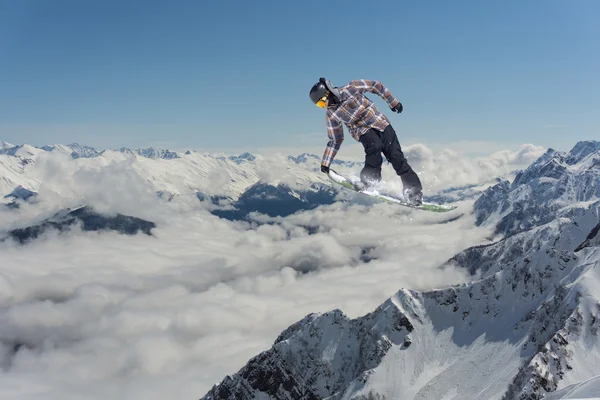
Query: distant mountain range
pixel 78 151
pixel 233 185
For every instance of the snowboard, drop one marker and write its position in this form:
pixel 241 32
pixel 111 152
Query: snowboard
pixel 353 183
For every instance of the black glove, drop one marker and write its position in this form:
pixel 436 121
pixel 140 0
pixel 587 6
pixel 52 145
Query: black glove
pixel 324 169
pixel 398 108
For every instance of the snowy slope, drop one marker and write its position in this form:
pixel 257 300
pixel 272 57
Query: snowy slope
pixel 589 389
pixel 573 353
pixel 474 339
pixel 16 170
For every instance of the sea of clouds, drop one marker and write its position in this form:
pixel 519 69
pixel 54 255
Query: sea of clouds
pixel 87 315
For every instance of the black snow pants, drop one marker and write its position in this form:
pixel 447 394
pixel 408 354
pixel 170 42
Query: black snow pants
pixel 376 142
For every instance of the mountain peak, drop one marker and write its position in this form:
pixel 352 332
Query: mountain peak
pixel 80 151
pixel 304 157
pixel 20 192
pixel 581 150
pixel 23 150
pixel 5 145
pixel 321 355
pixel 74 149
pixel 244 157
pixel 151 152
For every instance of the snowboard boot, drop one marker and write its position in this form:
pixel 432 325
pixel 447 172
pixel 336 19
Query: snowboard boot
pixel 413 196
pixel 369 178
pixel 413 192
pixel 368 181
pixel 366 185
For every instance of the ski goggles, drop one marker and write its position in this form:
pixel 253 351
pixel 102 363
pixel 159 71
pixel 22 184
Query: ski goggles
pixel 322 101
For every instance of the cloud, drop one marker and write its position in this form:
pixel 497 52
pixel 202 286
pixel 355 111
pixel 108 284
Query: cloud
pixel 523 157
pixel 96 315
pixel 91 315
pixel 450 168
pixel 108 185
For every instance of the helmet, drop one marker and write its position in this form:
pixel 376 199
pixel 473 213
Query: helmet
pixel 318 91
pixel 322 89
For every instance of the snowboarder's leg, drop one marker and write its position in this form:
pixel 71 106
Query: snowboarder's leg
pixel 393 153
pixel 371 173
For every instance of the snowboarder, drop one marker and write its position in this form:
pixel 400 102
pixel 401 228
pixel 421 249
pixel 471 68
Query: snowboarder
pixel 367 125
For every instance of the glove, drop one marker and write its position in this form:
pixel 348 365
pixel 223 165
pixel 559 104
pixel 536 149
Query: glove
pixel 325 169
pixel 398 108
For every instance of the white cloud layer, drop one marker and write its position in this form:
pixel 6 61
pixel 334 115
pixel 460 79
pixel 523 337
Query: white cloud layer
pixel 449 168
pixel 98 315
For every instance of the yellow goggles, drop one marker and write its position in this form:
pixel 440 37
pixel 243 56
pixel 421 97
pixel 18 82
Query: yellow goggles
pixel 322 101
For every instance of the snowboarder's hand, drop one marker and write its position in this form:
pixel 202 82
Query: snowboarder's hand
pixel 398 108
pixel 325 169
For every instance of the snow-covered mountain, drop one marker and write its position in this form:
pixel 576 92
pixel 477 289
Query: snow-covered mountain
pixel 467 342
pixel 18 196
pixel 23 150
pixel 551 185
pixel 151 152
pixel 169 172
pixel 75 149
pixel 525 327
pixel 89 219
pixel 306 157
pixel 20 193
pixel 240 159
pixel 5 145
pixel 79 151
pixel 277 200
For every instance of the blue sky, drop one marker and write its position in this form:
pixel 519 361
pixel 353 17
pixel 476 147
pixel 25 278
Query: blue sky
pixel 236 74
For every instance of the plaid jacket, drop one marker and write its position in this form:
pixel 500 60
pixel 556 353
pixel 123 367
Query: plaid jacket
pixel 357 112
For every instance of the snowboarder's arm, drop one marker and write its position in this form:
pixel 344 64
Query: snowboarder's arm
pixel 364 85
pixel 336 137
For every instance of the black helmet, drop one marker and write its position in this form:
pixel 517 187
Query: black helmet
pixel 318 91
pixel 324 88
